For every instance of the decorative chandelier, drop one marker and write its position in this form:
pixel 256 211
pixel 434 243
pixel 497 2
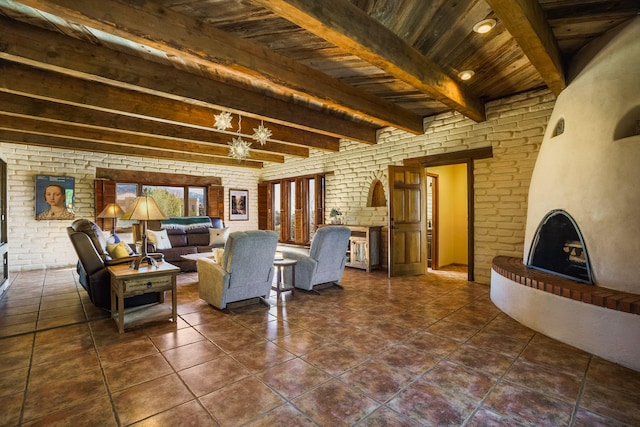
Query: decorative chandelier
pixel 261 133
pixel 238 147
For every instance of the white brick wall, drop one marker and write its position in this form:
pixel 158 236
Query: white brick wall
pixel 514 127
pixel 40 244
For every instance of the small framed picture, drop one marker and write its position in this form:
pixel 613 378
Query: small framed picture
pixel 238 205
pixel 54 197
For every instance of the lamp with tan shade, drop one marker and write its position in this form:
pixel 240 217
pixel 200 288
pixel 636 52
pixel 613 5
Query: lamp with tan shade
pixel 144 208
pixel 113 211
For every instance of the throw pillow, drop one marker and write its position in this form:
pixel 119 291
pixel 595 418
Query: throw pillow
pixel 118 250
pixel 218 236
pixel 159 239
pixel 219 254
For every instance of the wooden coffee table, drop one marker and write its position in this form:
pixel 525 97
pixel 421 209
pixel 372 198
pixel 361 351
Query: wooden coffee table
pixel 127 282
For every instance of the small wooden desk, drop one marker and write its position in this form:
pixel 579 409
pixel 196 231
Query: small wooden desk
pixel 280 264
pixel 127 282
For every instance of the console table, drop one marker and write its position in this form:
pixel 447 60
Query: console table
pixel 364 247
pixel 127 282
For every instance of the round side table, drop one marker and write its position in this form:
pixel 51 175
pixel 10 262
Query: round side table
pixel 279 265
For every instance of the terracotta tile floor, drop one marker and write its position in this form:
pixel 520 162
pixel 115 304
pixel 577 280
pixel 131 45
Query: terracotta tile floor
pixel 430 350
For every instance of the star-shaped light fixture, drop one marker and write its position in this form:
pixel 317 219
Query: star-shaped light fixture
pixel 223 120
pixel 239 148
pixel 261 133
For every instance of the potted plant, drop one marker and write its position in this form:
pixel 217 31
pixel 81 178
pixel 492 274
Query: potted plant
pixel 335 216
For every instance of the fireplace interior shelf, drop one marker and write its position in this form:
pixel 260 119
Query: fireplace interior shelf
pixel 513 269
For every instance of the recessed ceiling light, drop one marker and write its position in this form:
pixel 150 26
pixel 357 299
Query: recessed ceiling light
pixel 484 26
pixel 466 74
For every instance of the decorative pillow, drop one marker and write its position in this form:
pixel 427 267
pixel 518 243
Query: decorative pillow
pixel 218 236
pixel 159 238
pixel 118 250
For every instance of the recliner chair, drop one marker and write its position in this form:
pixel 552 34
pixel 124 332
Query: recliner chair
pixel 245 270
pixel 325 261
pixel 93 259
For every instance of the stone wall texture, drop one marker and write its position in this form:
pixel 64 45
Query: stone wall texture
pixel 514 128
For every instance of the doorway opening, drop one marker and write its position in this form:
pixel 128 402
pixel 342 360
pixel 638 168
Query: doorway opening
pixel 466 158
pixel 447 217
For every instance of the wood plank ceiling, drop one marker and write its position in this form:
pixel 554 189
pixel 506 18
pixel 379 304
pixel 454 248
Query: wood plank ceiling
pixel 147 77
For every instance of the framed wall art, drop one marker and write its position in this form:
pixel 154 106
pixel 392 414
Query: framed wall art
pixel 238 205
pixel 54 197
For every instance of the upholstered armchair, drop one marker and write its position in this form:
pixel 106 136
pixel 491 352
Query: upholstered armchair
pixel 245 270
pixel 90 245
pixel 325 261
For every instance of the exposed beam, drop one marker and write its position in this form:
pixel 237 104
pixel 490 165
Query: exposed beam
pixel 82 134
pixel 342 23
pixel 48 50
pixel 24 80
pixel 525 20
pixel 111 122
pixel 21 137
pixel 180 35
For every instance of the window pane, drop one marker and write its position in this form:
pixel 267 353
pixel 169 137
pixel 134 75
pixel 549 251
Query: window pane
pixel 292 210
pixel 197 201
pixel 170 200
pixel 125 195
pixel 276 207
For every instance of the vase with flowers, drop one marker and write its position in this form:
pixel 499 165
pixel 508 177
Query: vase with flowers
pixel 336 216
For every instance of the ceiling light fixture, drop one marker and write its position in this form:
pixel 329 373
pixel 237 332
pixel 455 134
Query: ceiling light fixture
pixel 466 74
pixel 261 133
pixel 223 120
pixel 238 147
pixel 484 26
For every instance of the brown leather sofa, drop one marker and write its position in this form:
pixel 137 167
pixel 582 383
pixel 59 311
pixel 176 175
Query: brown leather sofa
pixel 90 245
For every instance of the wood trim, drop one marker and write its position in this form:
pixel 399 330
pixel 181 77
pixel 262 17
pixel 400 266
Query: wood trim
pixel 215 201
pixel 157 178
pixel 450 158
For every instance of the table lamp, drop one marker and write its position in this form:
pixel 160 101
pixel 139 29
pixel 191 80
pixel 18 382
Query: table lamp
pixel 113 211
pixel 144 208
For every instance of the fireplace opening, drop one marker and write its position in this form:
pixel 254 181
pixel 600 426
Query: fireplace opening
pixel 558 248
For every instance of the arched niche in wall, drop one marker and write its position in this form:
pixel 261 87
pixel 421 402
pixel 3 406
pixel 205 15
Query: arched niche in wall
pixel 376 197
pixel 629 124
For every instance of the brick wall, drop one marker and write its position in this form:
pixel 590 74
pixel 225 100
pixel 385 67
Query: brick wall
pixel 514 127
pixel 40 244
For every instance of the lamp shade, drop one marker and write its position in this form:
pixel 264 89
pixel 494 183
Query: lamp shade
pixel 112 210
pixel 144 208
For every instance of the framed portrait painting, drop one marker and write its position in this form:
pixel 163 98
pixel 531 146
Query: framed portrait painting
pixel 238 205
pixel 54 197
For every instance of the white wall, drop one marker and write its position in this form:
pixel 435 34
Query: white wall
pixel 41 244
pixel 514 128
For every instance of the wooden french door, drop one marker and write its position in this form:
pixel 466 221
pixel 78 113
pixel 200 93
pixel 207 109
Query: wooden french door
pixel 407 221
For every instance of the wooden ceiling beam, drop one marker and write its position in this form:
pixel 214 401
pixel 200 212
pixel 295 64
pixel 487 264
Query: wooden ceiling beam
pixel 48 50
pixel 20 137
pixel 42 84
pixel 177 34
pixel 83 134
pixel 526 22
pixel 112 122
pixel 348 27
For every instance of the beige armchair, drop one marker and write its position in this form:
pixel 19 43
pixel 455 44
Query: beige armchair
pixel 245 270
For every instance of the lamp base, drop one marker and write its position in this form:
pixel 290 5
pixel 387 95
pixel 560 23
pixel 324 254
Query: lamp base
pixel 135 264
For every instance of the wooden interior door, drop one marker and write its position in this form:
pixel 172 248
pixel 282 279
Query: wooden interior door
pixel 407 221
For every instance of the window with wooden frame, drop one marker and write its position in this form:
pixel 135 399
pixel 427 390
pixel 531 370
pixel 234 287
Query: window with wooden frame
pixel 177 195
pixel 294 207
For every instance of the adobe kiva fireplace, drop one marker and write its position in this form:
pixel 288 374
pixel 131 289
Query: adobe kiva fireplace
pixel 558 247
pixel 583 219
